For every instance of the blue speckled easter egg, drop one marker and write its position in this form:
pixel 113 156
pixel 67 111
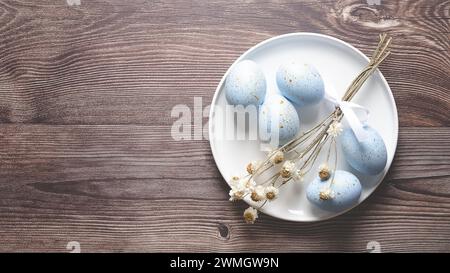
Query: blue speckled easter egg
pixel 345 191
pixel 300 82
pixel 245 84
pixel 368 156
pixel 277 116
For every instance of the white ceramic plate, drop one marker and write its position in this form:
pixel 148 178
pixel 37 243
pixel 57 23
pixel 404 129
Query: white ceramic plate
pixel 338 63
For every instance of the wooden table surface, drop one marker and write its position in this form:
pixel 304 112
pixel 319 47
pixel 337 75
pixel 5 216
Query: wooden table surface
pixel 86 154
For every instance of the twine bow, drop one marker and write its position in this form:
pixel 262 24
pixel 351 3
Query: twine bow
pixel 355 114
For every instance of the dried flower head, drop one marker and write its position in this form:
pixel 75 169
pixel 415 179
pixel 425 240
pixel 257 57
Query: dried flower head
pixel 324 172
pixel 234 180
pixel 288 169
pixel 298 175
pixel 335 129
pixel 277 157
pixel 241 187
pixel 257 194
pixel 250 215
pixel 236 195
pixel 271 192
pixel 253 166
pixel 326 194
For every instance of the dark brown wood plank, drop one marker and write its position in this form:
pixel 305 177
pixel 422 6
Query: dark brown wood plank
pixel 132 188
pixel 68 153
pixel 107 62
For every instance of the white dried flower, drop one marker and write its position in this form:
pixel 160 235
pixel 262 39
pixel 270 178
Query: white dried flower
pixel 326 194
pixel 277 157
pixel 298 176
pixel 240 188
pixel 258 194
pixel 288 169
pixel 271 192
pixel 335 129
pixel 234 180
pixel 253 166
pixel 236 195
pixel 250 215
pixel 324 172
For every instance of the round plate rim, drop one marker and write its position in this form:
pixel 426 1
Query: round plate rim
pixel 311 34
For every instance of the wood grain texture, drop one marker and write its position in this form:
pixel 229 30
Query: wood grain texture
pixel 86 153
